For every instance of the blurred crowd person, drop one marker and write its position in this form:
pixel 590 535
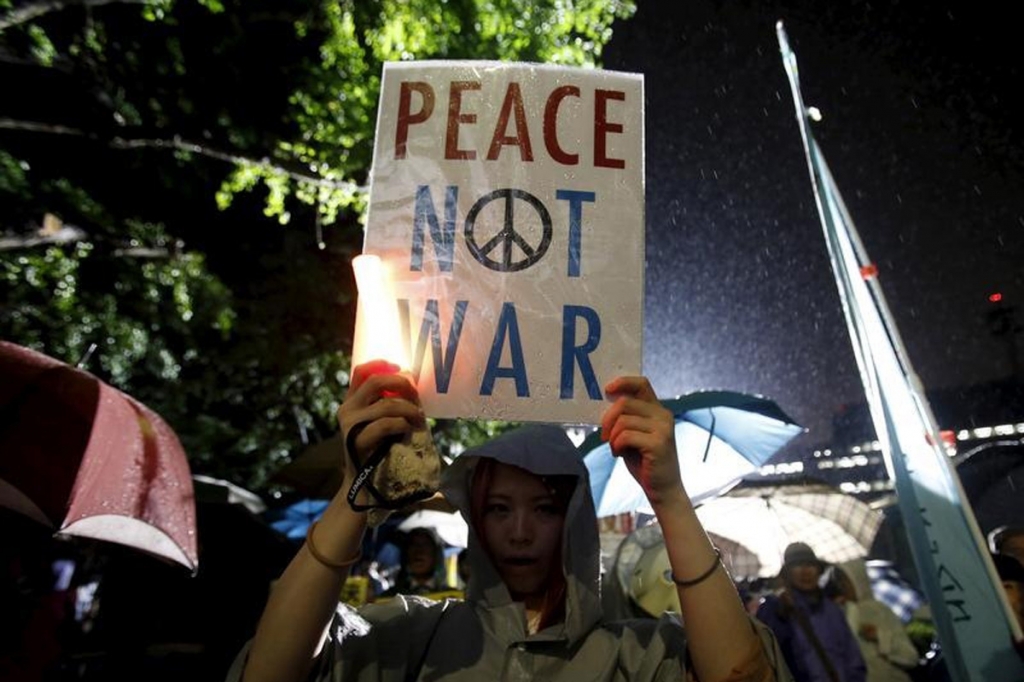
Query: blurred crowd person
pixel 1008 540
pixel 464 570
pixel 887 649
pixel 1007 545
pixel 812 630
pixel 1011 574
pixel 422 569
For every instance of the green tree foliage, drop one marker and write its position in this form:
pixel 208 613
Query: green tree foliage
pixel 172 139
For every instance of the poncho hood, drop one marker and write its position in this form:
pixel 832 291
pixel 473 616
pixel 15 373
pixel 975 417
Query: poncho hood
pixel 546 451
pixel 857 571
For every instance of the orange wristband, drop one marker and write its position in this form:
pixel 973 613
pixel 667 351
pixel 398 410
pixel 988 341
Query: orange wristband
pixel 311 546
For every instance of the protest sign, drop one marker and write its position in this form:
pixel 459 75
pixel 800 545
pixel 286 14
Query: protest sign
pixel 506 205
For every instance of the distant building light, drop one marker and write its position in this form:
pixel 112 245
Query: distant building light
pixel 577 434
pixel 781 468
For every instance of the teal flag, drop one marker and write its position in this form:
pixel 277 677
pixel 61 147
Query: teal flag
pixel 973 618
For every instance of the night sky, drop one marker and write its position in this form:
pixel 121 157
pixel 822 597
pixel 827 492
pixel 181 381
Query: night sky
pixel 919 108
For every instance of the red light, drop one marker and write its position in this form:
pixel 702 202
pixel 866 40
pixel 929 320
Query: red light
pixel 995 298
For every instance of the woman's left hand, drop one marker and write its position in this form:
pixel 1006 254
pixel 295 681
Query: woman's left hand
pixel 642 431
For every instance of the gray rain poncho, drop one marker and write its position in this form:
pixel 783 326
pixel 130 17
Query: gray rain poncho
pixel 485 637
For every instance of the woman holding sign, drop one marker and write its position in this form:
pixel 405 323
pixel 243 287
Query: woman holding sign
pixel 533 607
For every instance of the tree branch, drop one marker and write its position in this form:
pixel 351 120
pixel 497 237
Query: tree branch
pixel 34 10
pixel 182 145
pixel 65 235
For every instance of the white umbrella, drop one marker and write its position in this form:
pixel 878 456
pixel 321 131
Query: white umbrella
pixel 641 568
pixel 765 519
pixel 450 527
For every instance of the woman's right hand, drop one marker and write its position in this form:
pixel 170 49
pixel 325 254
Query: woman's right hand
pixel 384 399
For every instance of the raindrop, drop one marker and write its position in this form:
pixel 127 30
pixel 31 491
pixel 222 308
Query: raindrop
pixel 977 190
pixel 913 101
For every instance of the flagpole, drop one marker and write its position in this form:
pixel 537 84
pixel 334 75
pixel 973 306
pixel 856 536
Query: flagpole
pixel 976 642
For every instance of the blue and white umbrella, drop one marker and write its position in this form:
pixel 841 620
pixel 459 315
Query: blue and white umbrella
pixel 294 520
pixel 893 590
pixel 721 436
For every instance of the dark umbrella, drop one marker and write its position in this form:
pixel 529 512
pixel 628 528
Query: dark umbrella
pixel 721 436
pixel 317 471
pixel 194 625
pixel 992 476
pixel 78 455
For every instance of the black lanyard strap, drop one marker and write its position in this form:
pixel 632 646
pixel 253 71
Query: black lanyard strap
pixel 364 472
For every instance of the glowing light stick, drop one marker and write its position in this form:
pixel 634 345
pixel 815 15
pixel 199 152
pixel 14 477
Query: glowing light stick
pixel 404 468
pixel 378 334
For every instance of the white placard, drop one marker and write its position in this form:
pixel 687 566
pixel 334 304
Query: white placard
pixel 507 204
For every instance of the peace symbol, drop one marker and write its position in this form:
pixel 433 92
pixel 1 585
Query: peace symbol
pixel 507 238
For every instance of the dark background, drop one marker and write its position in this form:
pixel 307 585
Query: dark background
pixel 920 130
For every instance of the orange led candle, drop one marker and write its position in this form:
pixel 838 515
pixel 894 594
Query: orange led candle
pixel 378 334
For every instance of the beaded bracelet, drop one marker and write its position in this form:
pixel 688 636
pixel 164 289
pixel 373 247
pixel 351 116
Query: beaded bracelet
pixel 324 560
pixel 703 576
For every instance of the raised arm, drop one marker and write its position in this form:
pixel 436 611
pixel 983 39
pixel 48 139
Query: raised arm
pixel 718 631
pixel 292 628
